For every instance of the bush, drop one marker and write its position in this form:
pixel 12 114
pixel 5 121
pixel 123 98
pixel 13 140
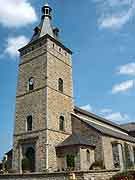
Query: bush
pixel 25 164
pixel 70 161
pixel 97 165
pixel 127 175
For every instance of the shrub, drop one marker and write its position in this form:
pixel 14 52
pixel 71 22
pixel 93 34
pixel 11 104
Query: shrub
pixel 127 175
pixel 70 161
pixel 25 164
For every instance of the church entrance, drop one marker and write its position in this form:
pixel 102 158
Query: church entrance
pixel 29 156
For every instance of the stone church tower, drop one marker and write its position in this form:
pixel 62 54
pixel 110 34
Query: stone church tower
pixel 44 99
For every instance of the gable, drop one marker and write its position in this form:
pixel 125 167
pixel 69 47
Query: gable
pixel 100 128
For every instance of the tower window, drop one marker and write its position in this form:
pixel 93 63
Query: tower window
pixel 47 11
pixel 61 123
pixel 31 84
pixel 29 123
pixel 60 85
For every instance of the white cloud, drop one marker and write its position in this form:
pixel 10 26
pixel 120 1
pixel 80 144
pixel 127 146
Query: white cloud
pixel 109 114
pixel 118 117
pixel 119 2
pixel 114 21
pixel 87 107
pixel 123 87
pixel 13 44
pixel 114 14
pixel 16 13
pixel 106 110
pixel 127 69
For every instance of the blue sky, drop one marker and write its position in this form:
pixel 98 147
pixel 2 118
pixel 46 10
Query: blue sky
pixel 101 34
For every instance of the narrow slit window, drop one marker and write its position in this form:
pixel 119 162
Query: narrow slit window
pixel 29 123
pixel 88 155
pixel 31 84
pixel 60 85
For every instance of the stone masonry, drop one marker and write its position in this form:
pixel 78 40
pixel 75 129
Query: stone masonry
pixel 45 103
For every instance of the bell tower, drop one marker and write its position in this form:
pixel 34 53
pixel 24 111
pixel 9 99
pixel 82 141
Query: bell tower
pixel 44 99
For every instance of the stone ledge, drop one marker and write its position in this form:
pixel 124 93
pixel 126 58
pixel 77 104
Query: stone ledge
pixel 61 173
pixel 80 175
pixel 32 175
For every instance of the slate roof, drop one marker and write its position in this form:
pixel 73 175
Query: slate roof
pixel 94 116
pixel 129 126
pixel 107 131
pixel 76 139
pixel 9 153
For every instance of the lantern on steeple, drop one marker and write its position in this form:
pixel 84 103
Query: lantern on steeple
pixel 46 9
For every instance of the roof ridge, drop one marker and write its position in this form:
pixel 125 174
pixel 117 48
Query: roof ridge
pixel 87 113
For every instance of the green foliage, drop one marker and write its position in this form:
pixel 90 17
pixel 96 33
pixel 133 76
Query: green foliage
pixel 97 164
pixel 70 161
pixel 25 164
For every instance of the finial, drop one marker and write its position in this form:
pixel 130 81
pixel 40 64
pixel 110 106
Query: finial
pixel 46 4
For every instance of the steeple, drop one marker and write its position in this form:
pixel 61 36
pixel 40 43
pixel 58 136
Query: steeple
pixel 45 26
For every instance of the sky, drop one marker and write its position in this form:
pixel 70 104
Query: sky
pixel 101 34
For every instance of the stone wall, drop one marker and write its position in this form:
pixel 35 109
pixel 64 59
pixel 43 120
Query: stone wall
pixel 103 144
pixel 99 175
pixel 107 150
pixel 37 138
pixel 45 61
pixel 83 175
pixel 54 176
pixel 91 134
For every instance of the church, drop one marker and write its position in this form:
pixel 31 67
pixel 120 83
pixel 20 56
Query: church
pixel 50 132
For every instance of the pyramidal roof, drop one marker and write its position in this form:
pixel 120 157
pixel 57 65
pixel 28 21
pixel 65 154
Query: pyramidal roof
pixel 45 26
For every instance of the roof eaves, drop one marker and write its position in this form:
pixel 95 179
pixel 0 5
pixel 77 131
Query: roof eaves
pixel 131 139
pixel 99 118
pixel 70 145
pixel 45 37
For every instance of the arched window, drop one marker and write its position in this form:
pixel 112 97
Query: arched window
pixel 29 123
pixel 31 84
pixel 88 155
pixel 115 153
pixel 61 123
pixel 60 85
